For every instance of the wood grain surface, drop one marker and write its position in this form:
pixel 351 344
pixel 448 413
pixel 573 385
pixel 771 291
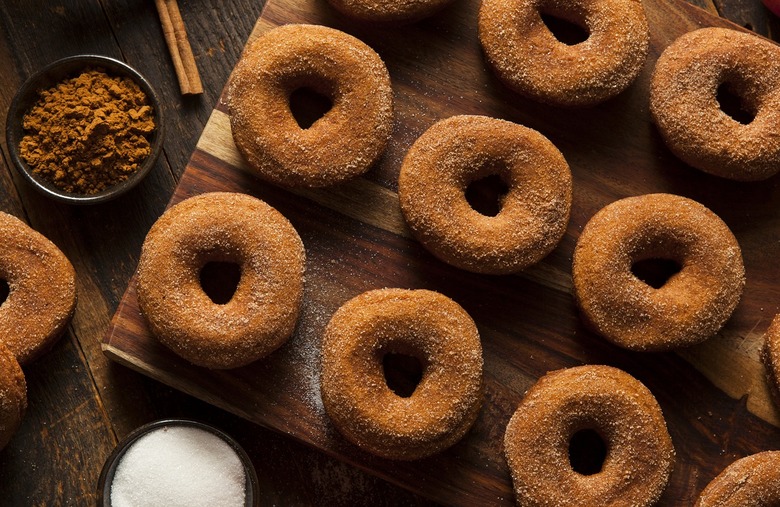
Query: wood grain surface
pixel 713 395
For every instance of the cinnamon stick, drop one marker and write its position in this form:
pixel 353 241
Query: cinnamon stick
pixel 179 46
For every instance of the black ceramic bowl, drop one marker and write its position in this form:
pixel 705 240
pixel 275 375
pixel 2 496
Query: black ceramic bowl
pixel 49 76
pixel 107 474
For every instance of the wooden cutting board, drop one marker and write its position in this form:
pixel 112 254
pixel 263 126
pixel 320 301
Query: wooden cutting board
pixel 713 395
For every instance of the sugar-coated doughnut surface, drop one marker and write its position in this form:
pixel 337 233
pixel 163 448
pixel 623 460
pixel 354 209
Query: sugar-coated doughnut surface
pixel 770 354
pixel 691 306
pixel 42 290
pixel 684 104
pixel 389 11
pixel 530 60
pixel 624 413
pixel 340 145
pixel 457 151
pixel 13 395
pixel 419 323
pixel 753 481
pixel 223 227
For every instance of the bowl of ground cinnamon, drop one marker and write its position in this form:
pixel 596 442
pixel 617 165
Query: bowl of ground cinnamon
pixel 85 129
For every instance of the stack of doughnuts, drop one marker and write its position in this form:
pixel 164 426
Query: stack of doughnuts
pixel 42 290
pixel 40 301
pixel 13 395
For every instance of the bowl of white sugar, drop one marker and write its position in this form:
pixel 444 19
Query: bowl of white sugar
pixel 178 462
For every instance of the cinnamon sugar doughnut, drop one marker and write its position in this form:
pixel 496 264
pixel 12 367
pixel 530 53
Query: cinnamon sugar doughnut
pixel 221 227
pixel 684 104
pixel 459 150
pixel 13 395
pixel 530 60
pixel 41 290
pixel 691 306
pixel 389 11
pixel 770 354
pixel 420 323
pixel 753 481
pixel 344 142
pixel 620 409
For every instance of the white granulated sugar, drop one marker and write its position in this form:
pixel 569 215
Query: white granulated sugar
pixel 307 356
pixel 179 466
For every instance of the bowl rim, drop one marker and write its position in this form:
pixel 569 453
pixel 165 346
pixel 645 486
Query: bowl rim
pixel 252 485
pixel 34 83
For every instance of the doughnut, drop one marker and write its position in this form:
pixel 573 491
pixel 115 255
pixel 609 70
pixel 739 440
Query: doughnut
pixel 389 11
pixel 221 227
pixel 457 151
pixel 691 306
pixel 685 107
pixel 529 59
pixel 770 354
pixel 619 409
pixel 340 145
pixel 13 395
pixel 753 481
pixel 41 285
pixel 418 323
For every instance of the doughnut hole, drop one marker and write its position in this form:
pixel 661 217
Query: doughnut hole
pixel 308 105
pixel 566 24
pixel 486 194
pixel 655 272
pixel 587 452
pixel 403 366
pixel 5 290
pixel 219 280
pixel 731 99
pixel 657 258
pixel 403 370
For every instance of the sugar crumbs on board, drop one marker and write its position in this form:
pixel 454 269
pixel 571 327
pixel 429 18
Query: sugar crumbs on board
pixel 179 466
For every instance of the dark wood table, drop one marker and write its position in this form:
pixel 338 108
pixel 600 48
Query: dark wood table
pixel 80 403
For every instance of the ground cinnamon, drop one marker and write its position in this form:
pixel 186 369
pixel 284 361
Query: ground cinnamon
pixel 88 133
